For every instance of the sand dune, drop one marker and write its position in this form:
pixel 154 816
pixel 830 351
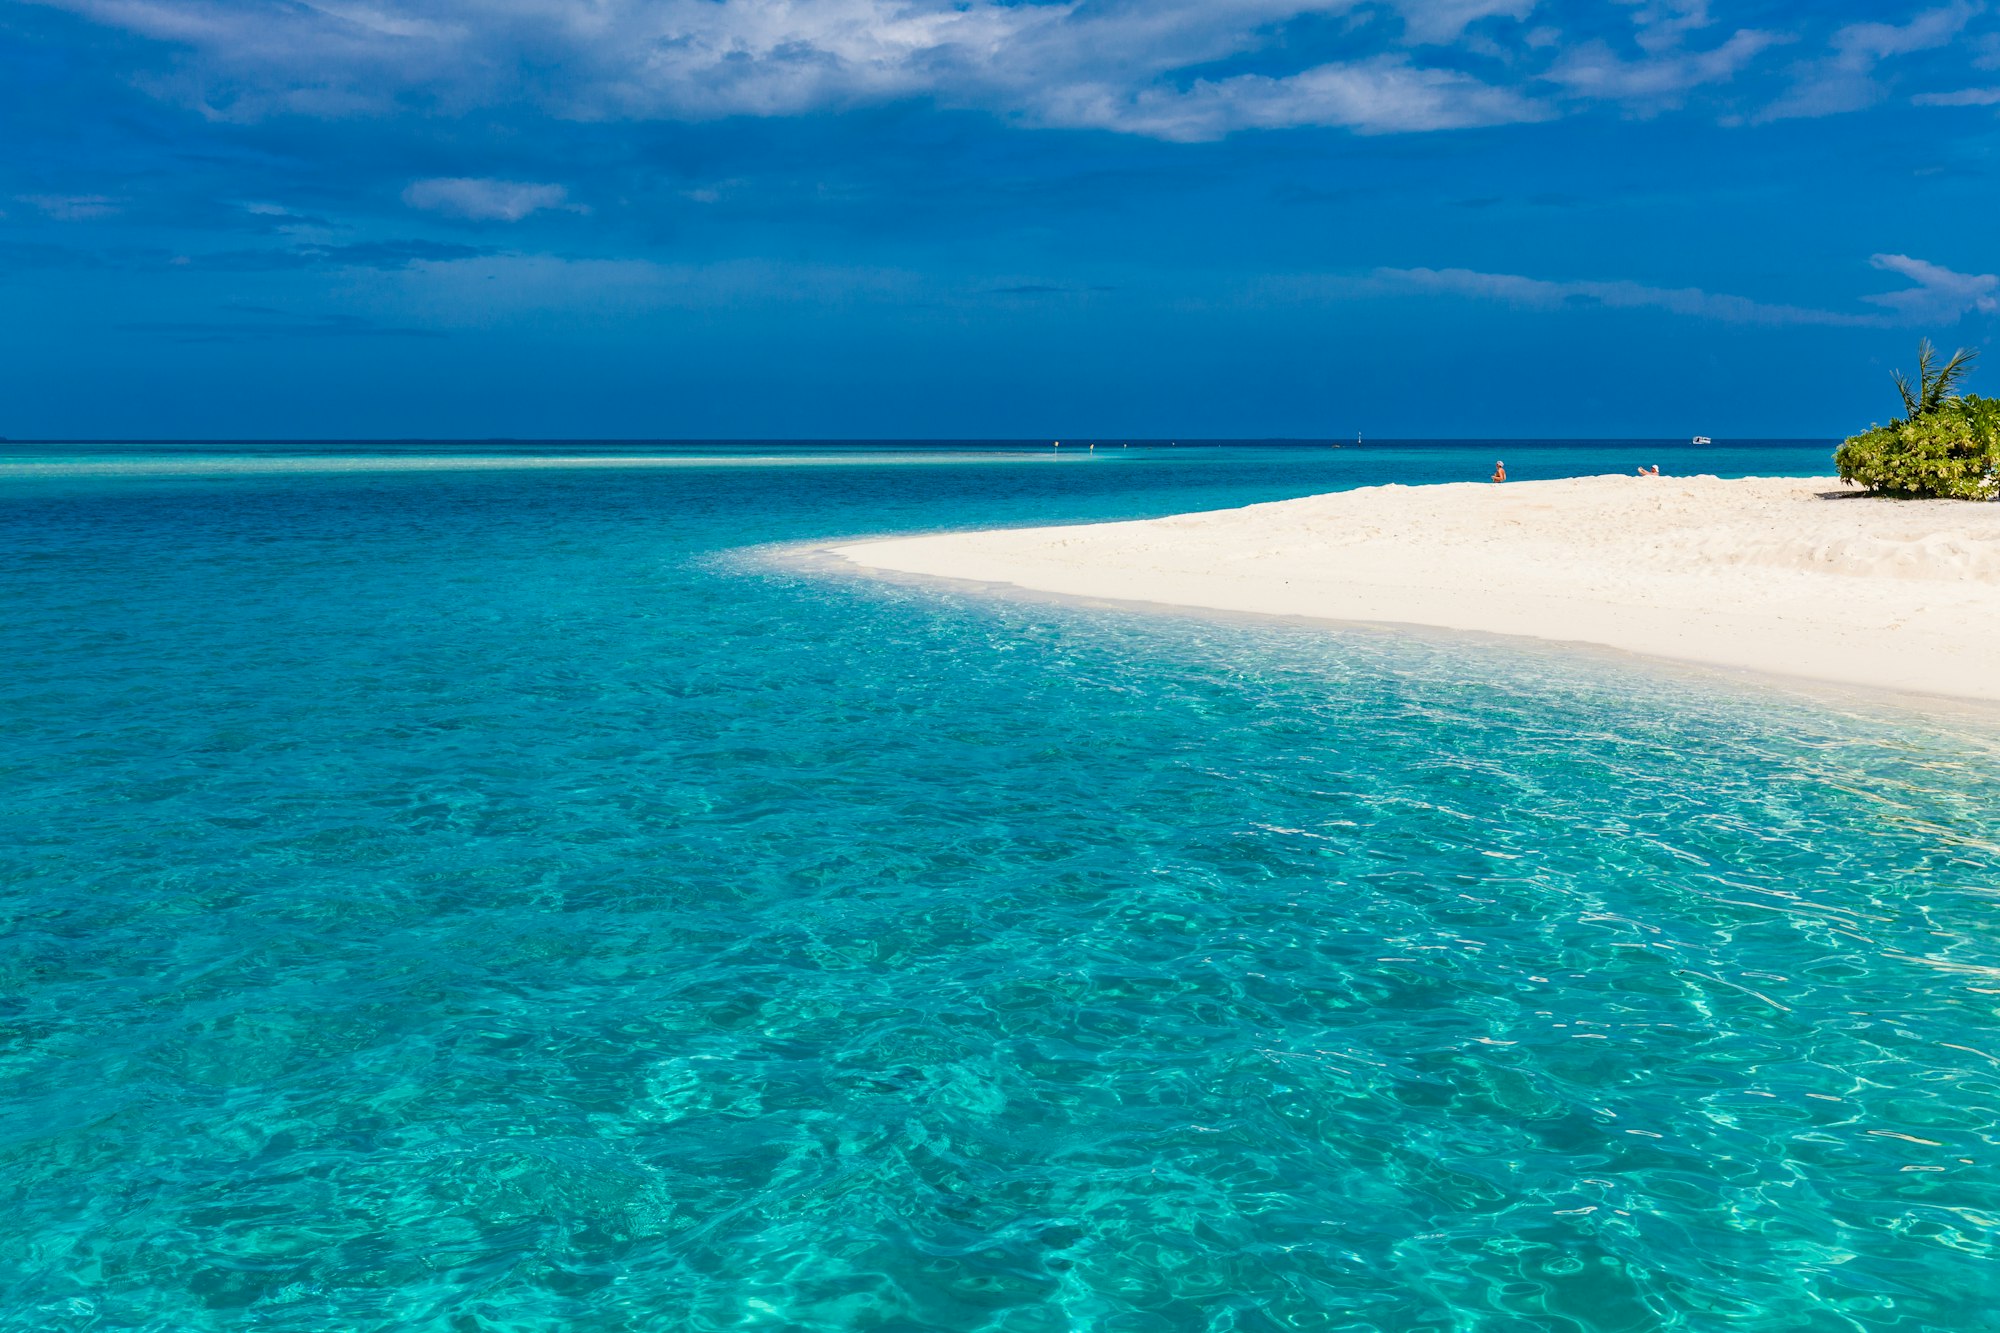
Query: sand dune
pixel 1799 577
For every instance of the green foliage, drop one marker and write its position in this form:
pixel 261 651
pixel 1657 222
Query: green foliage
pixel 1952 452
pixel 1947 446
pixel 1936 385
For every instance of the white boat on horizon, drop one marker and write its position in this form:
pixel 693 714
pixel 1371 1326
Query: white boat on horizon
pixel 1702 439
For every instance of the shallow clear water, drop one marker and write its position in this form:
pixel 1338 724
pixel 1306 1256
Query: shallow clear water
pixel 531 900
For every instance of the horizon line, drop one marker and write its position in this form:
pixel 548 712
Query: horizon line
pixel 911 440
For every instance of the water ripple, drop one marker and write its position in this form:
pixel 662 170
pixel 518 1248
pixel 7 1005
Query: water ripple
pixel 472 902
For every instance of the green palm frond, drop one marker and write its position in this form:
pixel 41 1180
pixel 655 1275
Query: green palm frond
pixel 1942 386
pixel 1936 385
pixel 1909 398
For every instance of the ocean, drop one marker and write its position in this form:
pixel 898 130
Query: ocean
pixel 543 896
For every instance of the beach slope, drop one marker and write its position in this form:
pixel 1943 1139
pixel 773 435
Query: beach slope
pixel 1799 577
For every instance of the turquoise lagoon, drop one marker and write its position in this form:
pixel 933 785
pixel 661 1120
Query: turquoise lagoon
pixel 532 898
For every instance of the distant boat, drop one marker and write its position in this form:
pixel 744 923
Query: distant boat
pixel 1703 439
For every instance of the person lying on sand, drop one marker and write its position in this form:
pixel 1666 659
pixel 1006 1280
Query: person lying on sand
pixel 1654 473
pixel 1499 472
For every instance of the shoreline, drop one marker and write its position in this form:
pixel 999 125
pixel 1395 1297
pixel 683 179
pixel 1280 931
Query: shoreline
pixel 1785 577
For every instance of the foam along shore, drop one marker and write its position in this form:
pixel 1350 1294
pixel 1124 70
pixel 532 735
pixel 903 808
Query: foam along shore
pixel 1799 577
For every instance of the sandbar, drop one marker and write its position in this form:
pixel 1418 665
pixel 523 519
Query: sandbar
pixel 1799 577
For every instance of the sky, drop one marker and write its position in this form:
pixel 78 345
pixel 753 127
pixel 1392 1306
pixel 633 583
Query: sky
pixel 988 218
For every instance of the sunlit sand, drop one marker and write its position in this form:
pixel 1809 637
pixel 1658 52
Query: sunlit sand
pixel 1797 577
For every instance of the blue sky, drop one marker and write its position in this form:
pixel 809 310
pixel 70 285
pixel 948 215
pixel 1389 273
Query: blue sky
pixel 921 218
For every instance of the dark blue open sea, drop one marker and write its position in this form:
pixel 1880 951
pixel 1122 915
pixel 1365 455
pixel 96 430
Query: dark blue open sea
pixel 532 898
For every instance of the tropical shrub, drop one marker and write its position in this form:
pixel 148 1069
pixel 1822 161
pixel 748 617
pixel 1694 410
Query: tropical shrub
pixel 1946 445
pixel 1951 453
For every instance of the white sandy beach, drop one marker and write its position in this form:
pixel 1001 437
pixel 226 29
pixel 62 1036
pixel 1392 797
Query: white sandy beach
pixel 1802 578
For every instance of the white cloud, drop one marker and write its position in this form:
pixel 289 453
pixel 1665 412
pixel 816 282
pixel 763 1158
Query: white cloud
pixel 1123 65
pixel 1378 96
pixel 1595 71
pixel 483 199
pixel 1545 294
pixel 1844 80
pixel 1666 70
pixel 1438 21
pixel 1663 24
pixel 1866 43
pixel 72 207
pixel 1962 97
pixel 1129 66
pixel 1939 293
